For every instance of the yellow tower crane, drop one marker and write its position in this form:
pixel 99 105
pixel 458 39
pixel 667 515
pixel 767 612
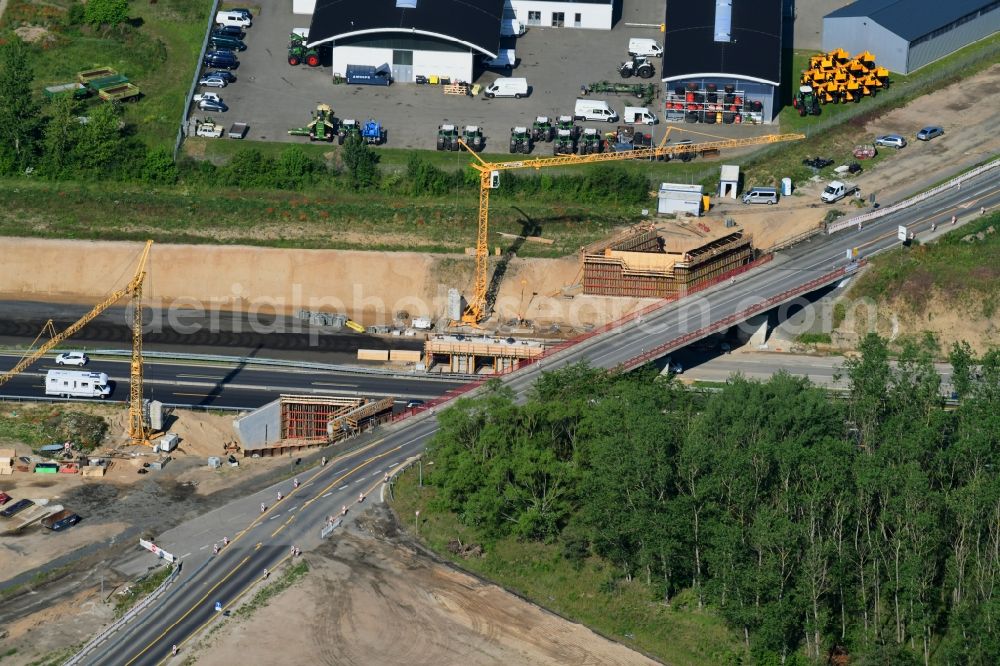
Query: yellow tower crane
pixel 489 179
pixel 136 426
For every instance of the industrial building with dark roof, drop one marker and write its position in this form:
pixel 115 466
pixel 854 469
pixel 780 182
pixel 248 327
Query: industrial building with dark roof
pixel 905 35
pixel 727 43
pixel 414 37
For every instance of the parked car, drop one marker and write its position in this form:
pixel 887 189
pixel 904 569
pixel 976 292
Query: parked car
pixel 4 498
pixel 16 507
pixel 929 132
pixel 221 59
pixel 226 42
pixel 72 358
pixel 223 74
pixel 229 30
pixel 216 105
pixel 892 140
pixel 213 82
pixel 242 10
pixel 414 403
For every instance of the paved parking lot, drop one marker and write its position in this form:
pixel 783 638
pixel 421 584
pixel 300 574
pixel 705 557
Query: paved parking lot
pixel 273 97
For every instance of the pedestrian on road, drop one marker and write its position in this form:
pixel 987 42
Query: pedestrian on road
pixel 933 226
pixel 361 498
pixel 295 483
pixel 982 210
pixel 266 573
pixel 385 479
pixel 225 541
pixel 215 549
pixel 263 507
pixel 173 651
pixel 343 510
pixel 323 462
pixel 954 219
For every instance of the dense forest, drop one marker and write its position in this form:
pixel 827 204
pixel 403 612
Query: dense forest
pixel 865 525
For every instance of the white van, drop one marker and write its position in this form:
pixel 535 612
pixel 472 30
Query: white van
pixel 639 115
pixel 594 109
pixel 764 195
pixel 507 87
pixel 76 384
pixel 233 18
pixel 638 46
pixel 511 28
pixel 505 60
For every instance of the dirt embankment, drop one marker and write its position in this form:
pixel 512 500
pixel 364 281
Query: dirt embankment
pixel 370 599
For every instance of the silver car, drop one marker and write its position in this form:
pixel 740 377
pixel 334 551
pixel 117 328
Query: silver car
pixel 929 132
pixel 893 140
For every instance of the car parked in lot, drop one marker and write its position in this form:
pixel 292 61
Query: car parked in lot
pixel 226 42
pixel 247 14
pixel 16 507
pixel 229 30
pixel 223 74
pixel 929 132
pixel 213 82
pixel 892 140
pixel 216 105
pixel 221 59
pixel 72 358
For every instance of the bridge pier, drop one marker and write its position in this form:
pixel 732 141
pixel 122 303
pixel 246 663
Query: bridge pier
pixel 757 329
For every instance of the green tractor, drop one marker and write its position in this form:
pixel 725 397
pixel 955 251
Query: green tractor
pixel 520 140
pixel 591 142
pixel 542 129
pixel 473 137
pixel 447 138
pixel 564 143
pixel 806 102
pixel 298 53
pixel 346 129
pixel 321 128
pixel 567 123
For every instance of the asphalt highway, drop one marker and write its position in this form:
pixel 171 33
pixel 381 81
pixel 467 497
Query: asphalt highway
pixel 235 386
pixel 204 580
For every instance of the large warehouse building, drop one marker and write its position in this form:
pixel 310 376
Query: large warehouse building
pixel 905 35
pixel 415 37
pixel 722 60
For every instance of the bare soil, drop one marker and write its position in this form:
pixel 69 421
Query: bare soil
pixel 370 598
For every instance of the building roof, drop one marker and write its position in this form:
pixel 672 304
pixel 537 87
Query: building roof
pixel 910 19
pixel 754 49
pixel 473 23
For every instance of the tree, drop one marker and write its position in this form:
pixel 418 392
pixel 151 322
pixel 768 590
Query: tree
pixel 101 150
pixel 361 162
pixel 20 117
pixel 105 12
pixel 159 167
pixel 62 133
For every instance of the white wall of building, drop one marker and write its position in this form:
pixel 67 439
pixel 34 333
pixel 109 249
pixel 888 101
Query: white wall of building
pixel 303 6
pixel 450 64
pixel 593 16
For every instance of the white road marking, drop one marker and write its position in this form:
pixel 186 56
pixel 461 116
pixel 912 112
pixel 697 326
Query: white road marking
pixel 293 508
pixel 375 474
pixel 340 471
pixel 341 488
pixel 328 494
pixel 359 481
pixel 203 547
pixel 185 555
pixel 277 515
pixel 393 465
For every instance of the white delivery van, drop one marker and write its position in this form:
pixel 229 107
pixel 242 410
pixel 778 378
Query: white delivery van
pixel 505 60
pixel 594 109
pixel 511 28
pixel 77 384
pixel 507 87
pixel 638 46
pixel 232 18
pixel 640 115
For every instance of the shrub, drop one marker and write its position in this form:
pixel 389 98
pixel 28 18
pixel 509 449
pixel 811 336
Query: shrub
pixel 159 168
pixel 105 12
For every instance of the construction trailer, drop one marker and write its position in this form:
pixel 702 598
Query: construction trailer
pixel 642 264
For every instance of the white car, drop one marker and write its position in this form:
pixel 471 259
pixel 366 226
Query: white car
pixel 72 358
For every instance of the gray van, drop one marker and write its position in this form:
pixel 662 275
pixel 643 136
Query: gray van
pixel 768 195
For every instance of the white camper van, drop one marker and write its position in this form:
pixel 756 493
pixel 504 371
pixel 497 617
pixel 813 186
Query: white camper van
pixel 507 87
pixel 511 28
pixel 639 115
pixel 77 384
pixel 638 46
pixel 594 109
pixel 232 18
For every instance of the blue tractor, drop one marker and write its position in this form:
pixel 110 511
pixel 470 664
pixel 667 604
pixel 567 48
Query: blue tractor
pixel 373 132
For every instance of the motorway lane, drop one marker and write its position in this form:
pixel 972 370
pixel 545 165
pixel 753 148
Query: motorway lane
pixel 258 541
pixel 245 386
pixel 610 349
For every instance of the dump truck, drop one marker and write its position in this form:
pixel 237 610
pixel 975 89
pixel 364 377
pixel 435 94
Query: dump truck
pixel 837 190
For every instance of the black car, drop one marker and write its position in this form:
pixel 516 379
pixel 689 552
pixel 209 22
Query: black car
pixel 221 59
pixel 229 31
pixel 16 507
pixel 223 74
